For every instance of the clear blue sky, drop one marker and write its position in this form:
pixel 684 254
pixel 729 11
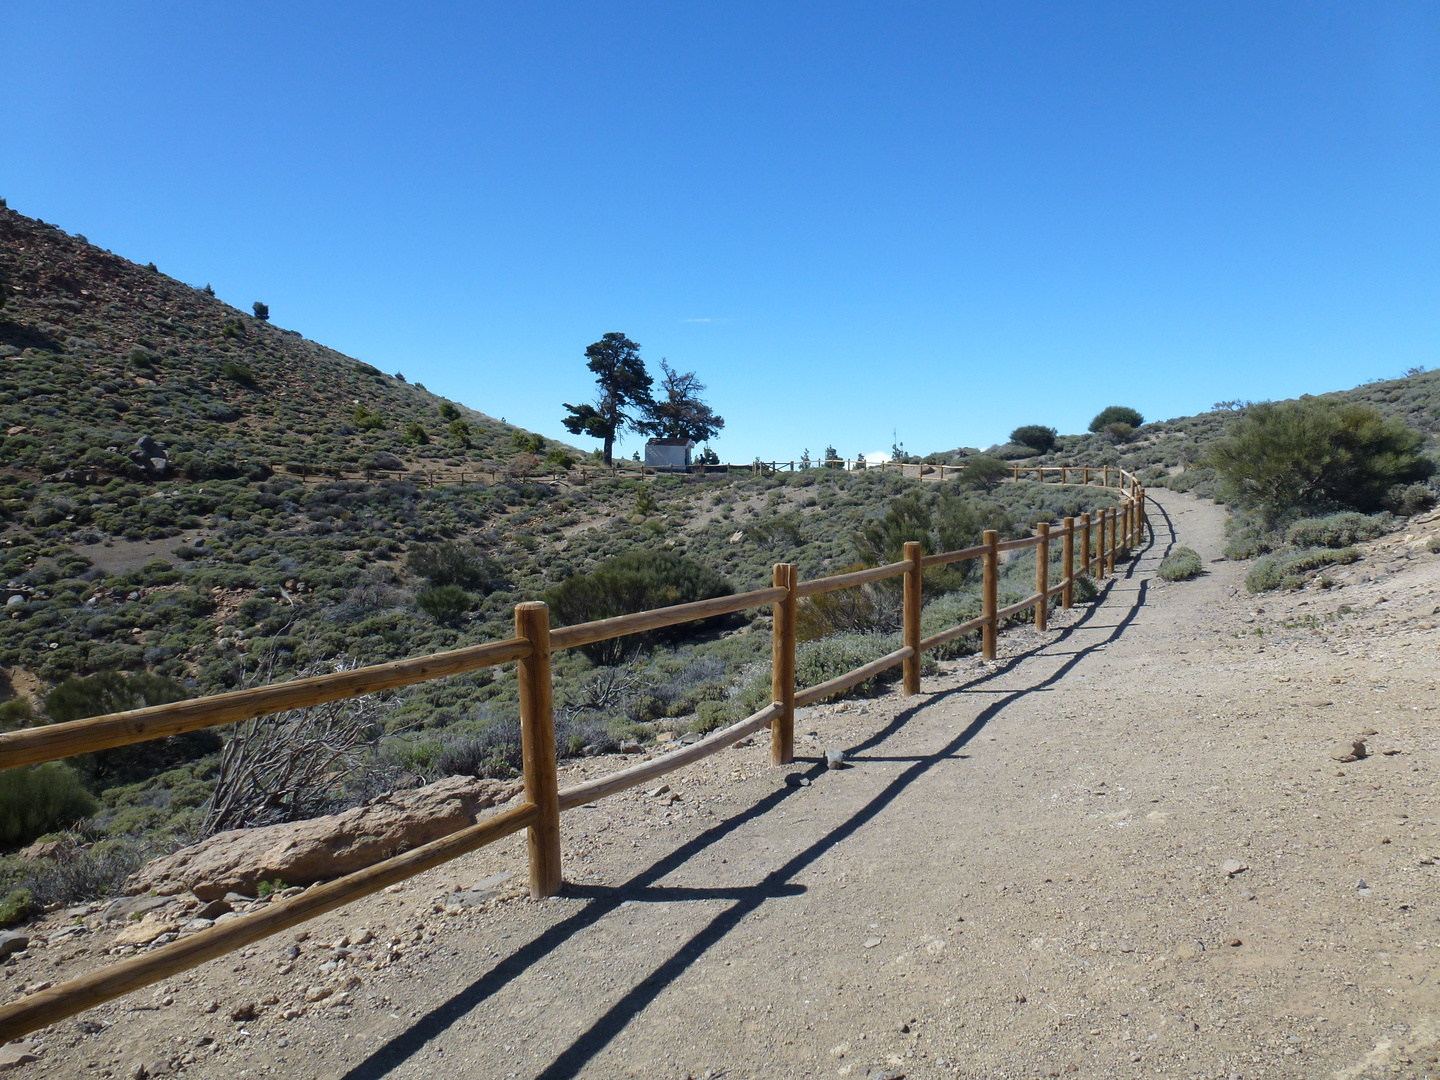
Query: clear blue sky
pixel 943 219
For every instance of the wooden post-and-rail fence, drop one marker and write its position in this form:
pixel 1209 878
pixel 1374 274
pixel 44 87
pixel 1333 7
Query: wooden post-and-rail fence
pixel 1111 531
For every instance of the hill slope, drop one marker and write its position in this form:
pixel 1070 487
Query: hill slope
pixel 99 352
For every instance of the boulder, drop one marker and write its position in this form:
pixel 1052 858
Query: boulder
pixel 150 456
pixel 304 852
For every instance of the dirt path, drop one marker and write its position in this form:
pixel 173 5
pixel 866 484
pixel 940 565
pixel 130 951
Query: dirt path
pixel 1024 873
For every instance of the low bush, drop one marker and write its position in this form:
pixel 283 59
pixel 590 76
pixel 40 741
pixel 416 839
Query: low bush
pixel 1247 537
pixel 89 873
pixel 635 581
pixel 1287 569
pixel 1039 438
pixel 1338 530
pixel 16 906
pixel 444 603
pixel 37 799
pixel 1408 500
pixel 1315 454
pixel 1119 433
pixel 983 472
pixel 1182 564
pixel 455 563
pixel 1116 414
pixel 369 420
pixel 237 373
pixel 112 692
pixel 821 661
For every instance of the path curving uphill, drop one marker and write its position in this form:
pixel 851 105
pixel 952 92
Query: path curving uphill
pixel 1124 849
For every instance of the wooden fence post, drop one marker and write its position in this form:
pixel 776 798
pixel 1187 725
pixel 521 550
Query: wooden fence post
pixel 1140 521
pixel 1042 576
pixel 1100 547
pixel 990 593
pixel 782 666
pixel 1110 545
pixel 537 748
pixel 1067 597
pixel 1085 542
pixel 911 629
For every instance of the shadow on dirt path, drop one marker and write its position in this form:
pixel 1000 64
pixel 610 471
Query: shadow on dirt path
pixel 644 887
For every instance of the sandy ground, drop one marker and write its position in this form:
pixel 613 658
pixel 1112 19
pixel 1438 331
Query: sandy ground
pixel 1123 850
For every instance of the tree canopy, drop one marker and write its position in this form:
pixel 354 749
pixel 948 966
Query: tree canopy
pixel 679 412
pixel 623 396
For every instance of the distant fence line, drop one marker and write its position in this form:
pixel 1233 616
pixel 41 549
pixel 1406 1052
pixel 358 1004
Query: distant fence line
pixel 584 472
pixel 1090 545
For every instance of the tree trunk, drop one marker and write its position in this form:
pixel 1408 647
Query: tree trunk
pixel 609 446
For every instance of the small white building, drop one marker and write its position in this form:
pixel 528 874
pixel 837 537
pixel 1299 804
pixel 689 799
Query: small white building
pixel 670 455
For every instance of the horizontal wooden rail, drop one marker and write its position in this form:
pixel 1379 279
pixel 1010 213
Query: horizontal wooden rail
pixel 852 678
pixel 568 637
pixel 944 558
pixel 1018 544
pixel 934 641
pixel 40 1009
pixel 834 583
pixel 716 741
pixel 1057 588
pixel 31 745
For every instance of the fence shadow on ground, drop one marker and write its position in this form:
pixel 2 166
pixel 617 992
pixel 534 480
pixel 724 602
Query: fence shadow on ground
pixel 745 900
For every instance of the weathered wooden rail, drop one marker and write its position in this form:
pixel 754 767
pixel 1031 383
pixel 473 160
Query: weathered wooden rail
pixel 1103 538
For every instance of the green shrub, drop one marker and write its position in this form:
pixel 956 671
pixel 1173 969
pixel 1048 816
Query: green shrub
pixel 820 661
pixel 1408 500
pixel 455 563
pixel 448 412
pixel 37 799
pixel 444 603
pixel 16 713
pixel 459 431
pixel 415 433
pixel 1315 455
pixel 112 692
pixel 944 524
pixel 527 442
pixel 1039 438
pixel 1287 569
pixel 1083 589
pixel 983 472
pixel 1247 537
pixel 17 906
pixel 1120 433
pixel 238 373
pixel 635 581
pixel 1182 564
pixel 1115 414
pixel 1338 530
pixel 368 419
pixel 559 459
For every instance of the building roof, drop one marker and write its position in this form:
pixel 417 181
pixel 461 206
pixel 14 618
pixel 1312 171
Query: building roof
pixel 670 442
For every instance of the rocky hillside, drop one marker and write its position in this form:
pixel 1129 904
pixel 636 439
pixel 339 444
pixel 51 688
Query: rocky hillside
pixel 100 353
